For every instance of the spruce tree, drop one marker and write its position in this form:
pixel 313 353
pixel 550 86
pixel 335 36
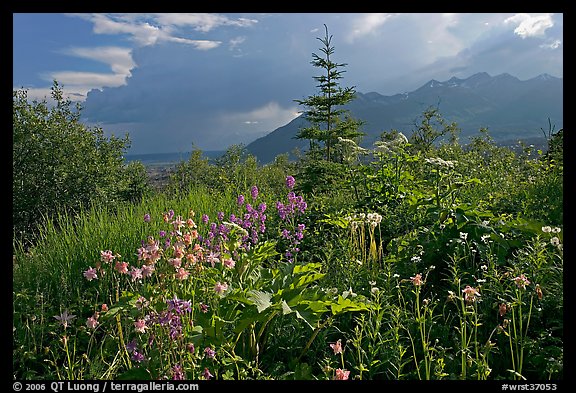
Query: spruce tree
pixel 328 121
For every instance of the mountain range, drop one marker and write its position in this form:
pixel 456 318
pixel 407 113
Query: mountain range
pixel 511 109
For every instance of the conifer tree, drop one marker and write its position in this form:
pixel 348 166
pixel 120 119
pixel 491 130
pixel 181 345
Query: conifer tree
pixel 328 121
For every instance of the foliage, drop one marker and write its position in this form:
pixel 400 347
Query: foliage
pixel 59 164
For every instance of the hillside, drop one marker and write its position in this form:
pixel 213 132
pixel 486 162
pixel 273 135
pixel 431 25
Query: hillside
pixel 511 109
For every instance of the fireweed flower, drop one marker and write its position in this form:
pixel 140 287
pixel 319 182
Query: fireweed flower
pixel 470 294
pixel 341 375
pixel 417 280
pixel 337 347
pixel 254 192
pixel 90 274
pixel 177 373
pixel 220 288
pixel 521 281
pixel 65 318
pixel 137 357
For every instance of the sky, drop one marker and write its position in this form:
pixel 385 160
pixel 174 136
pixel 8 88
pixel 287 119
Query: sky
pixel 178 81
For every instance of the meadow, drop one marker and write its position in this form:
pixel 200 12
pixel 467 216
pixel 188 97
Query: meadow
pixel 396 262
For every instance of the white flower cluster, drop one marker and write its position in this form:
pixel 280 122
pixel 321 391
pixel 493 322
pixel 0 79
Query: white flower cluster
pixel 371 219
pixel 440 162
pixel 391 146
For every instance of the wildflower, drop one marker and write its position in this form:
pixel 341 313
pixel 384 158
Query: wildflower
pixel 140 326
pixel 502 309
pixel 104 307
pixel 141 302
pixel 203 308
pixel 220 287
pixel 240 199
pixel 375 290
pixel 417 280
pixel 131 346
pixel 556 230
pixel 484 268
pixel 416 259
pixel 209 352
pixel 190 348
pixel 146 217
pixel 546 229
pixel 254 192
pixel 290 182
pixel 182 274
pixel 106 256
pixel 206 374
pixel 65 318
pixel 90 274
pixel 147 270
pixel 485 238
pixel 229 263
pixel 521 281
pixel 178 374
pixel 341 375
pixel 349 292
pixel 135 273
pixel 463 235
pixel 92 322
pixel 121 267
pixel 539 292
pixel 137 357
pixel 554 241
pixel 337 347
pixel 470 294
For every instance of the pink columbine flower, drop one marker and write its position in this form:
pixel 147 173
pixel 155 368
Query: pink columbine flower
pixel 470 294
pixel 140 326
pixel 521 281
pixel 341 375
pixel 182 274
pixel 220 287
pixel 135 273
pixel 337 347
pixel 229 263
pixel 90 274
pixel 104 307
pixel 92 322
pixel 176 262
pixel 121 267
pixel 203 308
pixel 417 280
pixel 147 270
pixel 106 256
pixel 502 309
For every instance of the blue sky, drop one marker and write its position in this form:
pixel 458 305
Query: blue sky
pixel 176 80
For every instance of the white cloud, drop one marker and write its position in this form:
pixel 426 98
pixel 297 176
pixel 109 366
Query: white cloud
pixel 530 25
pixel 119 58
pixel 74 93
pixel 551 45
pixel 366 24
pixel 271 115
pixel 202 22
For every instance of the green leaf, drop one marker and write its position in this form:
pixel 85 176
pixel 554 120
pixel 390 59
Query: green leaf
pixel 260 299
